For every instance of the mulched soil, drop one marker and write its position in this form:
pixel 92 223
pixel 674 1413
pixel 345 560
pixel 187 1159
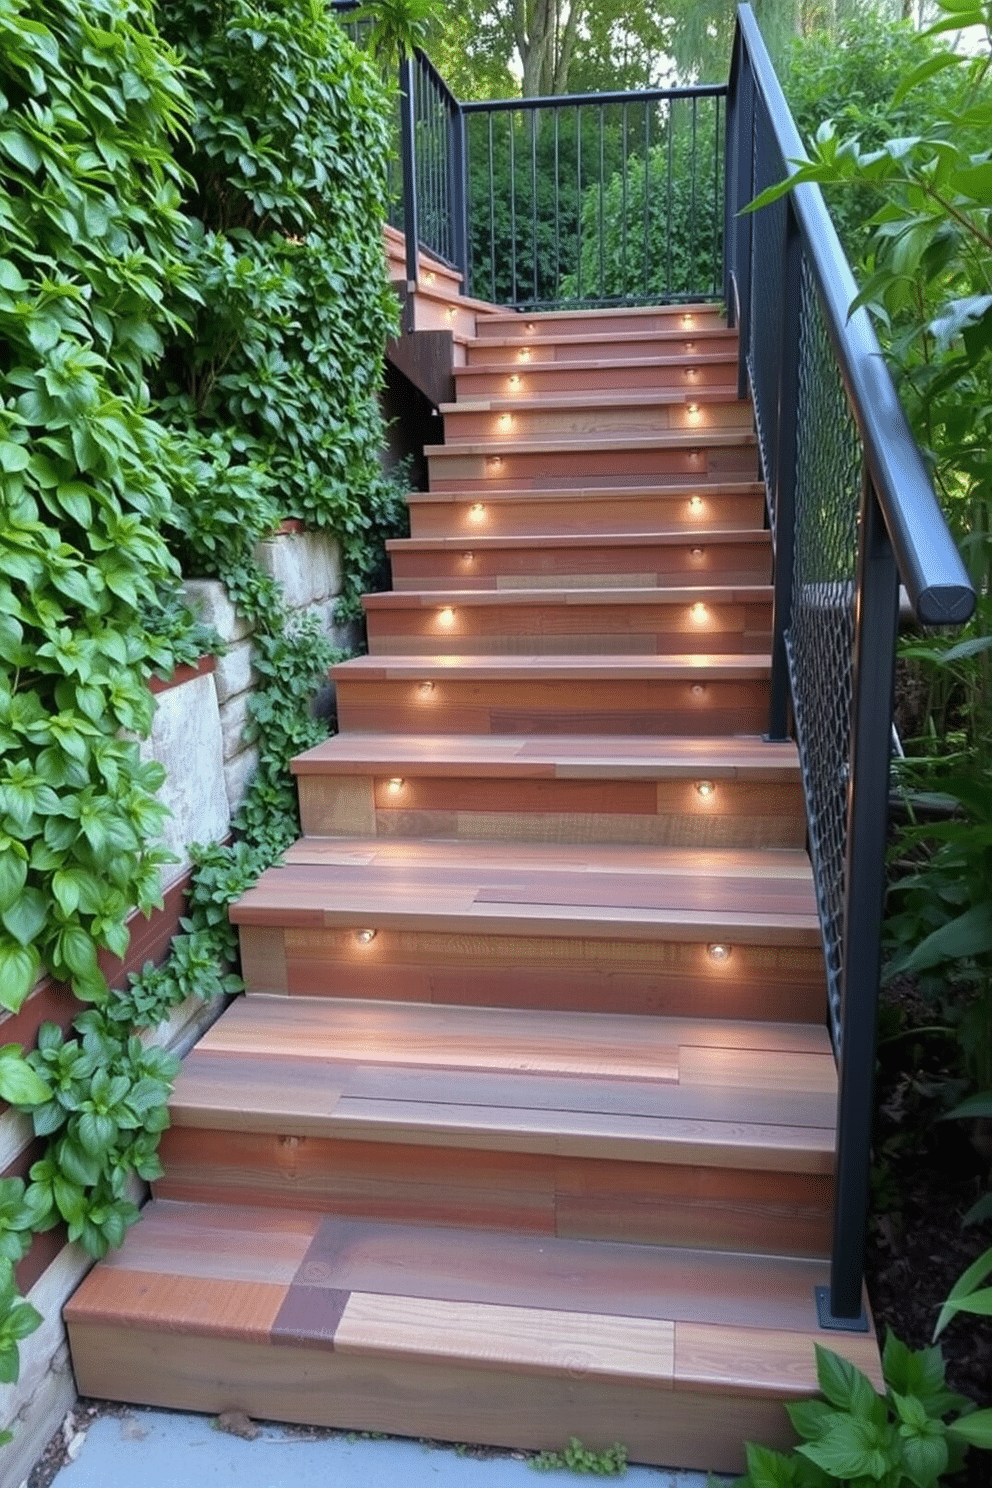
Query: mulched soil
pixel 928 1174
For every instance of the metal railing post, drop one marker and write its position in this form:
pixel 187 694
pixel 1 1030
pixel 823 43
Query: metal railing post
pixel 411 226
pixel 743 227
pixel 876 621
pixel 786 456
pixel 458 194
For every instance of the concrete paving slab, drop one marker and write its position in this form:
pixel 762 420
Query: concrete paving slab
pixel 143 1448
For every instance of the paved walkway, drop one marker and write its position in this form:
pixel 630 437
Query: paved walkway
pixel 142 1448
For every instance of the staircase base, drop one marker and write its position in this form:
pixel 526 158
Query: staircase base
pixel 507 1340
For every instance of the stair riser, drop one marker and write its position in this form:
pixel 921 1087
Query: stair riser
pixel 452 470
pixel 524 353
pixel 698 512
pixel 573 706
pixel 570 628
pixel 411 1396
pixel 552 423
pixel 652 565
pixel 668 813
pixel 663 320
pixel 717 1208
pixel 778 983
pixel 709 371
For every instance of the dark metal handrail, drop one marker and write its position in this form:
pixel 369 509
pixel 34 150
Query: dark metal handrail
pixel 789 286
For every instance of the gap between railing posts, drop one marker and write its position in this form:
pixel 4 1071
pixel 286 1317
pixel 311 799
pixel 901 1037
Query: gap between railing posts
pixel 852 512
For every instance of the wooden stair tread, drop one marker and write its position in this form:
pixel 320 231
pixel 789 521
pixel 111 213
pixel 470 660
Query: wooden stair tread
pixel 666 438
pixel 433 599
pixel 532 888
pixel 562 669
pixel 630 398
pixel 541 541
pixel 408 1073
pixel 631 313
pixel 596 364
pixel 431 1293
pixel 657 490
pixel 666 334
pixel 581 756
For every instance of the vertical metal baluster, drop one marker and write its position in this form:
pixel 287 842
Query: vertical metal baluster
pixel 716 276
pixel 625 291
pixel 515 299
pixel 408 138
pixel 492 213
pixel 692 204
pixel 533 194
pixel 602 204
pixel 647 194
pixel 668 200
pixel 579 203
pixel 557 194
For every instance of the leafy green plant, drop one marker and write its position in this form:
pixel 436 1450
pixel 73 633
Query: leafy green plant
pixel 611 1462
pixel 968 1296
pixel 854 1435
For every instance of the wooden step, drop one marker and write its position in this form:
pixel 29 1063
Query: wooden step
pixel 671 792
pixel 587 927
pixel 553 416
pixel 608 1106
pixel 536 325
pixel 614 346
pixel 695 509
pixel 687 457
pixel 706 370
pixel 518 1341
pixel 641 622
pixel 683 695
pixel 581 561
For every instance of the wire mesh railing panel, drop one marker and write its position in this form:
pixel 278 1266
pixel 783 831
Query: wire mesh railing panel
pixel 821 636
pixel 765 350
pixel 597 201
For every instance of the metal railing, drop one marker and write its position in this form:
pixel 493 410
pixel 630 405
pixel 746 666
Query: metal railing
pixel 596 199
pixel 852 513
pixel 850 506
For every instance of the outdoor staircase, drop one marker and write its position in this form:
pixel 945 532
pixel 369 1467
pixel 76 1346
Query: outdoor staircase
pixel 525 1129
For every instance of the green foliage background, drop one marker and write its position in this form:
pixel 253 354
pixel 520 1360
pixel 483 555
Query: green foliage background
pixel 193 308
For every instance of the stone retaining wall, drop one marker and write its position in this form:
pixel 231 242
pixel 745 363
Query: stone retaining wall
pixel 200 736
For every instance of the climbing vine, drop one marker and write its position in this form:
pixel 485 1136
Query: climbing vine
pixel 192 306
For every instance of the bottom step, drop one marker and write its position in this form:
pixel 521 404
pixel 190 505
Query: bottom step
pixel 501 1339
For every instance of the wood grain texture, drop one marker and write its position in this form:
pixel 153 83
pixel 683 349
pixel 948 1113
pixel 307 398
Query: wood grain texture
pixel 526 1127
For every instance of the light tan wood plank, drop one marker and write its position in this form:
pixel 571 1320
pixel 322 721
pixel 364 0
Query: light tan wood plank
pixel 530 1338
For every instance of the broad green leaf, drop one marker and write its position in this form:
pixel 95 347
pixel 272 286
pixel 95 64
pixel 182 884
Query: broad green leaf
pixel 19 969
pixel 975 1429
pixel 13 876
pixel 19 1085
pixel 13 457
pixel 964 1288
pixel 26 917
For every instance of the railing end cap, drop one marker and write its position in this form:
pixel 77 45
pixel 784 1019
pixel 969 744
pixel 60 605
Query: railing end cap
pixel 945 604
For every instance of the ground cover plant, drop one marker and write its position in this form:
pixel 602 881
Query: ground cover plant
pixel 192 313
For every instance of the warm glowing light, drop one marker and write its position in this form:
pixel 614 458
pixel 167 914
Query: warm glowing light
pixel 687 320
pixel 365 937
pixel 477 512
pixel 697 689
pixel 692 408
pixel 506 421
pixel 425 689
pixel 523 355
pixel 690 345
pixel 494 462
pixel 514 381
pixel 696 552
pixel 705 788
pixel 395 785
pixel 718 952
pixel 529 328
pixel 451 312
pixel 446 616
pixel 695 504
pixel 431 277
pixel 699 612
pixel 692 371
pixel 695 454
pixel 468 557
